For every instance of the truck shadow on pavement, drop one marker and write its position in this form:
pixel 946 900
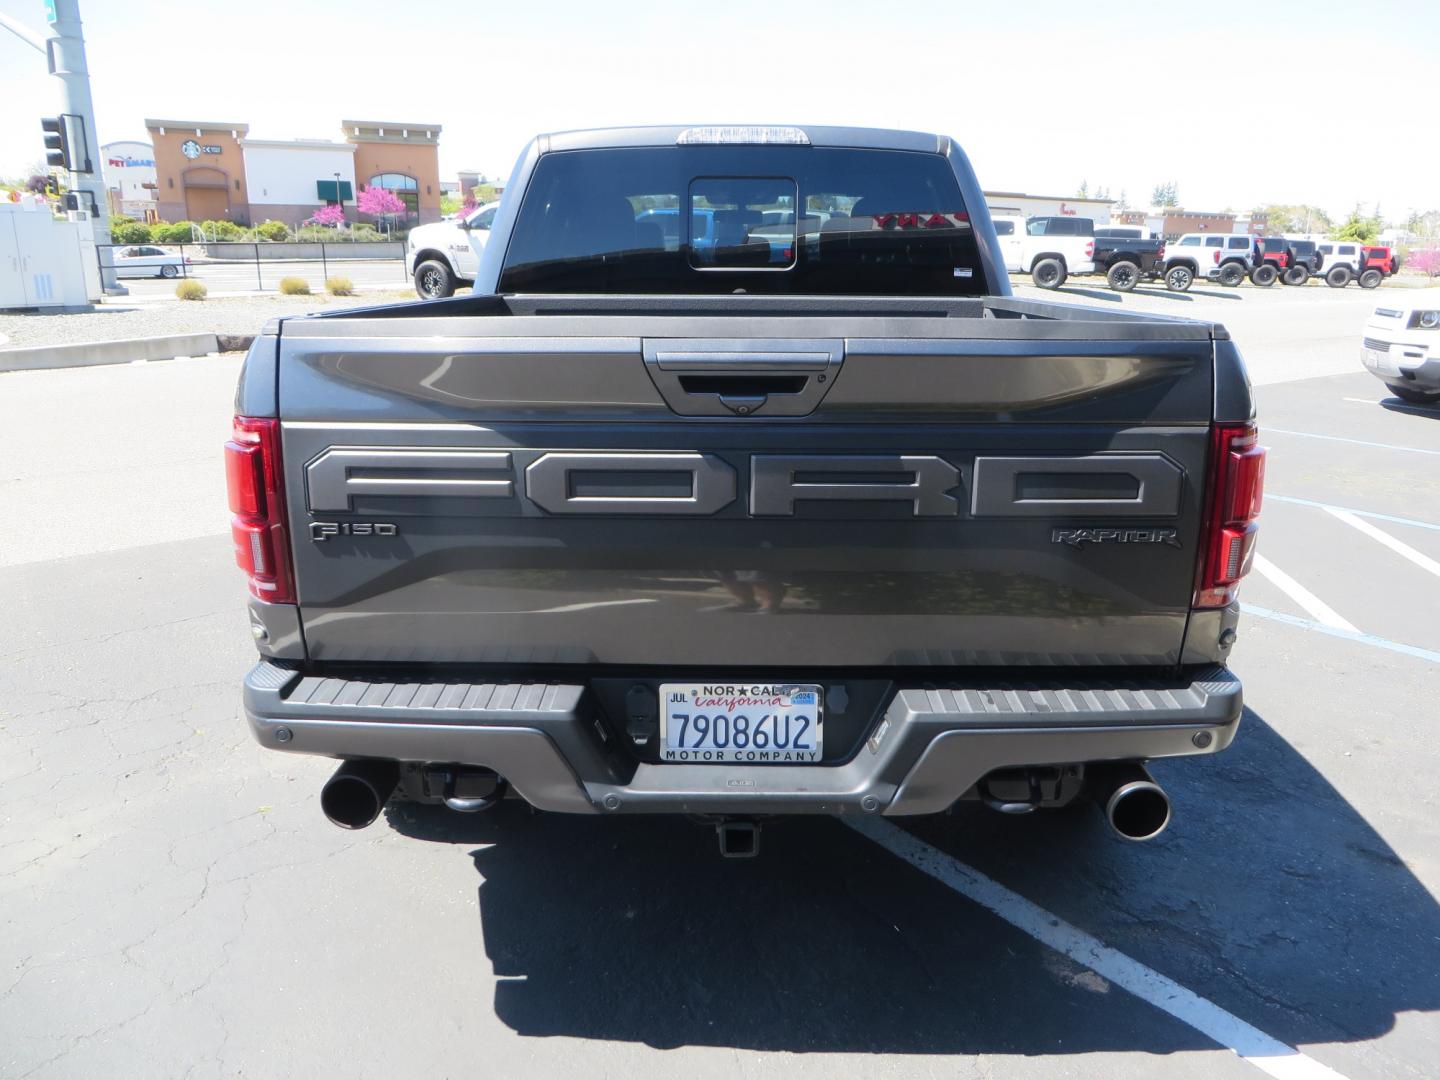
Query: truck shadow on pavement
pixel 1270 895
pixel 1395 404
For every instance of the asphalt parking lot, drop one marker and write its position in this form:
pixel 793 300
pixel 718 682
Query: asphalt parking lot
pixel 172 902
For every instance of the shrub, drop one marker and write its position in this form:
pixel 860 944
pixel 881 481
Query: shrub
pixel 130 232
pixel 221 230
pixel 340 286
pixel 120 219
pixel 356 233
pixel 190 289
pixel 275 231
pixel 294 286
pixel 171 233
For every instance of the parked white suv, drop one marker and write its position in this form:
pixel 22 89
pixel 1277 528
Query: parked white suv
pixel 444 255
pixel 1053 248
pixel 1401 346
pixel 1222 257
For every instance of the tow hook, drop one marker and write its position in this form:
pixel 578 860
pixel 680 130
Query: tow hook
pixel 738 839
pixel 467 791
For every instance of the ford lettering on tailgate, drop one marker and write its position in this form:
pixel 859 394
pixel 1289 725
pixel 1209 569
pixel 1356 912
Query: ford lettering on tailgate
pixel 700 483
pixel 631 482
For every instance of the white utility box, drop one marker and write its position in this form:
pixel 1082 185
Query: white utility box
pixel 43 259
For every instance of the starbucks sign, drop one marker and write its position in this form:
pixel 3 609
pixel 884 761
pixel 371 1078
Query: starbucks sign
pixel 192 149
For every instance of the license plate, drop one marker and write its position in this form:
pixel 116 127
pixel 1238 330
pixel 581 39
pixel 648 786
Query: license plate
pixel 741 723
pixel 1374 358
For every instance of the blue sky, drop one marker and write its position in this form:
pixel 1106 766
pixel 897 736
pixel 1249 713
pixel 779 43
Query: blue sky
pixel 1022 86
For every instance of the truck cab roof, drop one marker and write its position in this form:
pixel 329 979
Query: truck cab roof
pixel 744 134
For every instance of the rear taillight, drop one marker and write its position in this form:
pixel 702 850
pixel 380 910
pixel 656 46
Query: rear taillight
pixel 1090 250
pixel 257 503
pixel 1161 256
pixel 1236 483
pixel 1217 256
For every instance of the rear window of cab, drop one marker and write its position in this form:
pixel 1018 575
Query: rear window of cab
pixel 753 219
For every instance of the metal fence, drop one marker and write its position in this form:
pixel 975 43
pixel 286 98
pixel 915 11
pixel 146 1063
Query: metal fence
pixel 237 267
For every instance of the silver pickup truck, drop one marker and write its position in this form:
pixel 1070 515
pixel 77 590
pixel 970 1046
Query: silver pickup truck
pixel 782 505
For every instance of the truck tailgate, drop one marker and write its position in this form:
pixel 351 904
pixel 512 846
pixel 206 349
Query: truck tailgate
pixel 776 493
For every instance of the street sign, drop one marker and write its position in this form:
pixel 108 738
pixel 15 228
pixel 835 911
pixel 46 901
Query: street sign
pixel 50 16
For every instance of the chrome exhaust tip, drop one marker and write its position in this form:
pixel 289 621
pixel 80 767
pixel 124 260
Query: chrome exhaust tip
pixel 1135 806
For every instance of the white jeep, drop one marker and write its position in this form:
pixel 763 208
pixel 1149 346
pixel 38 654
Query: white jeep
pixel 1344 261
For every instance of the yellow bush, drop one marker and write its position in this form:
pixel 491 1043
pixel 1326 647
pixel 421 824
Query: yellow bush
pixel 190 289
pixel 340 286
pixel 294 286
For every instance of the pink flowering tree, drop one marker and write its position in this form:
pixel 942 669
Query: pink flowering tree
pixel 328 215
pixel 380 202
pixel 1427 261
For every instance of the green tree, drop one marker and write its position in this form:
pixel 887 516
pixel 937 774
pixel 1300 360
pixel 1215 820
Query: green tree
pixel 1424 223
pixel 1358 227
pixel 1302 218
pixel 1166 194
pixel 1083 191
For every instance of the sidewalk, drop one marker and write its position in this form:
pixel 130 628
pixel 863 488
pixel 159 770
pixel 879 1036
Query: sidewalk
pixel 126 319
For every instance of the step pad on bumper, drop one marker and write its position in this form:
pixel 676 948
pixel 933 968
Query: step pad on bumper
pixel 931 745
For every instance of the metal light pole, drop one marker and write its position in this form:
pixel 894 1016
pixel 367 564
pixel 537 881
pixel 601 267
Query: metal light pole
pixel 66 52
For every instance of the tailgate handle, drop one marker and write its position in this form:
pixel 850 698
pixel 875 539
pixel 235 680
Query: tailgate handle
pixel 743 377
pixel 672 360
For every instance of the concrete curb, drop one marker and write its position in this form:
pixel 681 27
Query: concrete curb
pixel 127 351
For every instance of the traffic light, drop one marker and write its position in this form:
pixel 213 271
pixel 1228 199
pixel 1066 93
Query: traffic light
pixel 57 154
pixel 65 142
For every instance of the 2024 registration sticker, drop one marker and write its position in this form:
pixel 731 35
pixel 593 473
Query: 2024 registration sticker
pixel 741 723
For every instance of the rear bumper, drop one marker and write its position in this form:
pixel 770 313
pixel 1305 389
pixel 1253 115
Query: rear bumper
pixel 929 748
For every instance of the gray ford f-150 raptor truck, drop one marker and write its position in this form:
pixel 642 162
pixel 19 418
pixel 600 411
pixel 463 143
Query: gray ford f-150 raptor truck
pixel 811 517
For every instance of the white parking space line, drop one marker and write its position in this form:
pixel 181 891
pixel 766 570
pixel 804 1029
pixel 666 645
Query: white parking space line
pixel 1353 442
pixel 1399 547
pixel 1268 1054
pixel 1415 522
pixel 1322 612
pixel 1361 639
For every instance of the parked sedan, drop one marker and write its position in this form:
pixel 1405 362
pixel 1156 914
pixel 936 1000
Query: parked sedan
pixel 147 261
pixel 1401 347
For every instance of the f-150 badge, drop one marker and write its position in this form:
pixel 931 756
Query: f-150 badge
pixel 326 530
